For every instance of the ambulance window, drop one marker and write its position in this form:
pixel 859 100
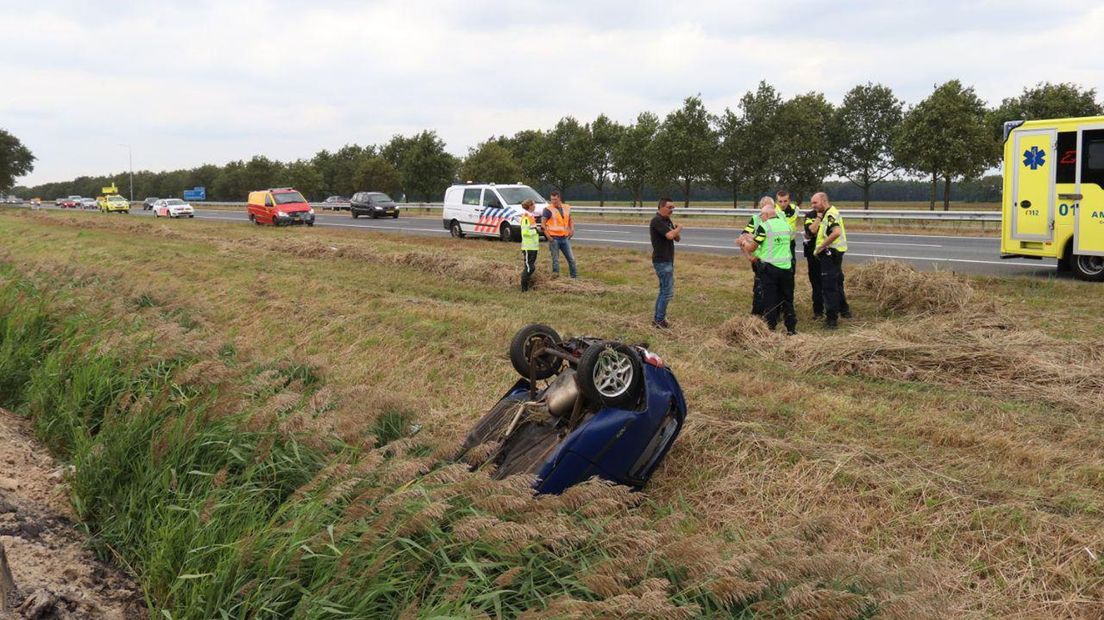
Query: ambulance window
pixel 471 196
pixel 1092 161
pixel 1067 157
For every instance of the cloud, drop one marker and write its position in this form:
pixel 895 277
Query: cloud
pixel 193 82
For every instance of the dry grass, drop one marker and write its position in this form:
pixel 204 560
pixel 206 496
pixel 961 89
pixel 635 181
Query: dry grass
pixel 946 461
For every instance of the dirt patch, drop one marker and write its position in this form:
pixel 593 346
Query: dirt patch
pixel 54 575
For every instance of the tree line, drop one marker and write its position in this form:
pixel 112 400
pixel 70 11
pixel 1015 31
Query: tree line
pixel 767 142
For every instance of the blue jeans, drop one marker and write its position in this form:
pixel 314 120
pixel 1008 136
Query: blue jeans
pixel 666 274
pixel 561 244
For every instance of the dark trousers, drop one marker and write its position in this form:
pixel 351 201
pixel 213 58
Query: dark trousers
pixel 831 282
pixel 757 289
pixel 813 262
pixel 778 293
pixel 528 266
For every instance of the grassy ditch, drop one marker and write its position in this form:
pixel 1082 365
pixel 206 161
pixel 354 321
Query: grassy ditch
pixel 239 405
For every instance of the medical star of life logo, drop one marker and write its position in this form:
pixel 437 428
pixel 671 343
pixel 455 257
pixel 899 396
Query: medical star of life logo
pixel 1034 158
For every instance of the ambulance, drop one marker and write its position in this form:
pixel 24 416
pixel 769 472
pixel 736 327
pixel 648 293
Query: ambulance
pixel 1053 205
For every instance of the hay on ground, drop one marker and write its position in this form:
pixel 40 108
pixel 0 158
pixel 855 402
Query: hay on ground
pixel 897 287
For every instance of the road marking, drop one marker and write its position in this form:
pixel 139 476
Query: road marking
pixel 917 245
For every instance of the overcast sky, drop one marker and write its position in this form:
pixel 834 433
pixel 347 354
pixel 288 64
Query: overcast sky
pixel 187 83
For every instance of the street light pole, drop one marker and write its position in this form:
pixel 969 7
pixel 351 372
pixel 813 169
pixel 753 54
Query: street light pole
pixel 130 160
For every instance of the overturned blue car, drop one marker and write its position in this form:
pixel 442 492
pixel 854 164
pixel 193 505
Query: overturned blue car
pixel 584 407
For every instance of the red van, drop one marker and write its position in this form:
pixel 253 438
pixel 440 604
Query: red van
pixel 279 207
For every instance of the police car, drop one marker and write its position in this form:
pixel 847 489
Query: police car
pixel 488 210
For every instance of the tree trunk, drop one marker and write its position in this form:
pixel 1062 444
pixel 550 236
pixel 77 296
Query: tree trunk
pixel 866 197
pixel 946 193
pixel 735 195
pixel 686 193
pixel 931 200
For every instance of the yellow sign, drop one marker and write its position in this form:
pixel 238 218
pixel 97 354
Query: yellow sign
pixel 110 189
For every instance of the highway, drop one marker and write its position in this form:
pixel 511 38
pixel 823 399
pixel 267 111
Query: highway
pixel 978 255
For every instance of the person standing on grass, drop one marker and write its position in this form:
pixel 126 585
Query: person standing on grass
pixel 756 283
pixel 530 244
pixel 664 235
pixel 812 261
pixel 769 247
pixel 831 245
pixel 559 228
pixel 788 212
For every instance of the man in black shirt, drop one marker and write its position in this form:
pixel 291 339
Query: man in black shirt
pixel 664 235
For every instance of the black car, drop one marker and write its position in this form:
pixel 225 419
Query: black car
pixel 373 204
pixel 147 204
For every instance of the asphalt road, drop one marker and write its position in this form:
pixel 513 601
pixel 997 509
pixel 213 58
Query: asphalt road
pixel 950 253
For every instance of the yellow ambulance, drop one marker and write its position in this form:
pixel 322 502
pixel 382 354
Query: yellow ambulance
pixel 1053 204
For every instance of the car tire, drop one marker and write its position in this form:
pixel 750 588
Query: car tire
pixel 311 224
pixel 611 373
pixel 506 233
pixel 375 215
pixel 395 215
pixel 354 213
pixel 455 230
pixel 521 349
pixel 1089 268
pixel 191 215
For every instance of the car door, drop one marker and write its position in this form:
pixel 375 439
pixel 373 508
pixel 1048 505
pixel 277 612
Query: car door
pixel 493 212
pixel 1033 185
pixel 270 209
pixel 470 209
pixel 1088 223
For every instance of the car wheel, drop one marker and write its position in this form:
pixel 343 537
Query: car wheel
pixel 455 230
pixel 529 339
pixel 191 215
pixel 311 224
pixel 506 233
pixel 375 215
pixel 1089 268
pixel 611 373
pixel 395 215
pixel 253 219
pixel 355 214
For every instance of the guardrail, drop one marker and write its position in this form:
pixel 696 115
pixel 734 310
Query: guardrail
pixel 859 214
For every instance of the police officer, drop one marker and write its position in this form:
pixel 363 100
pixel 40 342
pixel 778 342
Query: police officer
pixel 788 211
pixel 831 245
pixel 530 243
pixel 770 248
pixel 812 261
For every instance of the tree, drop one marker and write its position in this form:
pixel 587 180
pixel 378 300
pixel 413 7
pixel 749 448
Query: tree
pixel 303 176
pixel 378 175
pixel 562 160
pixel 632 160
pixel 759 116
pixel 490 162
pixel 864 128
pixel 603 136
pixel 16 159
pixel 424 165
pixel 528 148
pixel 1046 100
pixel 685 145
pixel 946 136
pixel 730 166
pixel 804 144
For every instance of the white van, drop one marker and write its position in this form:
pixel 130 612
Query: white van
pixel 488 210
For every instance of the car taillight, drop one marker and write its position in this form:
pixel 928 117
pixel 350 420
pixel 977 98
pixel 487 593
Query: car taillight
pixel 652 359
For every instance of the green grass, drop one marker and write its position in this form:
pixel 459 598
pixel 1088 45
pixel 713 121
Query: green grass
pixel 247 469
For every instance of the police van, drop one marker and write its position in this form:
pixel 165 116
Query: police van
pixel 1053 205
pixel 488 210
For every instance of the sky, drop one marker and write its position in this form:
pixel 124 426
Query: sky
pixel 188 83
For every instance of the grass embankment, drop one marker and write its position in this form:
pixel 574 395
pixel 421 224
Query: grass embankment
pixel 238 404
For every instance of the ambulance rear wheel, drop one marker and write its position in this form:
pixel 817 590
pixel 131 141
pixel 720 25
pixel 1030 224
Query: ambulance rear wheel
pixel 506 233
pixel 1089 268
pixel 455 230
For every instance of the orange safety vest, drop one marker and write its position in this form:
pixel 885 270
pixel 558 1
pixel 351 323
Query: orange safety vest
pixel 560 224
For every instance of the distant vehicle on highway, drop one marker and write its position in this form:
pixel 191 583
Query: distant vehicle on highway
pixel 282 206
pixel 336 202
pixel 172 207
pixel 147 204
pixel 113 204
pixel 36 201
pixel 88 203
pixel 488 210
pixel 68 203
pixel 372 204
